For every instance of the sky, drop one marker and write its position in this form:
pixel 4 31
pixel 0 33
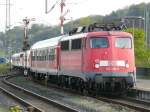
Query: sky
pixel 77 8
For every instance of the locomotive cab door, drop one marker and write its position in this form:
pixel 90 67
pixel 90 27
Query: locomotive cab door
pixel 58 56
pixel 84 53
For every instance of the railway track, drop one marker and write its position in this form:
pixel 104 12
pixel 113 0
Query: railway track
pixel 82 103
pixel 140 94
pixel 31 99
pixel 131 102
pixel 138 99
pixel 25 106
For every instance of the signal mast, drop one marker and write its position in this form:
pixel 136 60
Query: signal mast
pixel 62 14
pixel 62 4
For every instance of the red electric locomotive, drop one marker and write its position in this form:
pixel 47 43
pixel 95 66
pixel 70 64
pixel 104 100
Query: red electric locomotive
pixel 94 58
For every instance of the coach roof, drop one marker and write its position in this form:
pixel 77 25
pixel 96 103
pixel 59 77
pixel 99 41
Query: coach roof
pixel 46 43
pixel 17 54
pixel 75 36
pixel 54 41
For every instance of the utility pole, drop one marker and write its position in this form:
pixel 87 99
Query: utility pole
pixel 146 23
pixel 7 22
pixel 7 45
pixel 7 18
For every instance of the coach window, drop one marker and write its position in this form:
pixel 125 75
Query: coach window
pixel 37 55
pixel 65 45
pixel 76 44
pixel 52 54
pixel 33 54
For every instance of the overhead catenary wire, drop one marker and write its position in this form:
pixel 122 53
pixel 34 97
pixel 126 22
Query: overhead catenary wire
pixel 53 6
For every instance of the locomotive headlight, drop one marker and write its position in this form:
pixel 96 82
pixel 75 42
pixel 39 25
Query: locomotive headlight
pixel 96 65
pixel 127 65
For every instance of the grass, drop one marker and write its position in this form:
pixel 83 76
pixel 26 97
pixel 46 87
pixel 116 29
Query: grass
pixel 4 68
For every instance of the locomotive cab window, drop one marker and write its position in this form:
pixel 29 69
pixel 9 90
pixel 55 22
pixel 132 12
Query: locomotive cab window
pixel 121 42
pixel 76 44
pixel 101 42
pixel 65 45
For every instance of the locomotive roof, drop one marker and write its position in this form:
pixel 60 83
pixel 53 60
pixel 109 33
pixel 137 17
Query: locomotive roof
pixel 54 41
pixel 110 33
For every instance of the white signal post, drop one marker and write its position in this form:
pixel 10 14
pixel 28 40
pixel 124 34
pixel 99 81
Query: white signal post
pixel 62 4
pixel 62 14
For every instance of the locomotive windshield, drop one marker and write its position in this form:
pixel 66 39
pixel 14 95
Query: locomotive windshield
pixel 99 42
pixel 123 42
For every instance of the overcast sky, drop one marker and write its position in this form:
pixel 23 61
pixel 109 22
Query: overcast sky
pixel 78 8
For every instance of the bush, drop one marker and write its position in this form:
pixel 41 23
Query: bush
pixel 4 68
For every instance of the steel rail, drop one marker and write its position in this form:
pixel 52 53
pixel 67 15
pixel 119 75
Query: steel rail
pixel 18 99
pixel 130 103
pixel 139 94
pixel 138 101
pixel 21 101
pixel 51 101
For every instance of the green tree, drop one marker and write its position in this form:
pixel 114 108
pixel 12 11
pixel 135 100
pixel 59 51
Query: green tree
pixel 85 21
pixel 142 53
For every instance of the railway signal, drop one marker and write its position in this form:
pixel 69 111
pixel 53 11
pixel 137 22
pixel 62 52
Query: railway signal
pixel 26 45
pixel 26 22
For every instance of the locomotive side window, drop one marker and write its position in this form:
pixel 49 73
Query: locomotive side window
pixel 76 44
pixel 99 42
pixel 65 45
pixel 123 42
